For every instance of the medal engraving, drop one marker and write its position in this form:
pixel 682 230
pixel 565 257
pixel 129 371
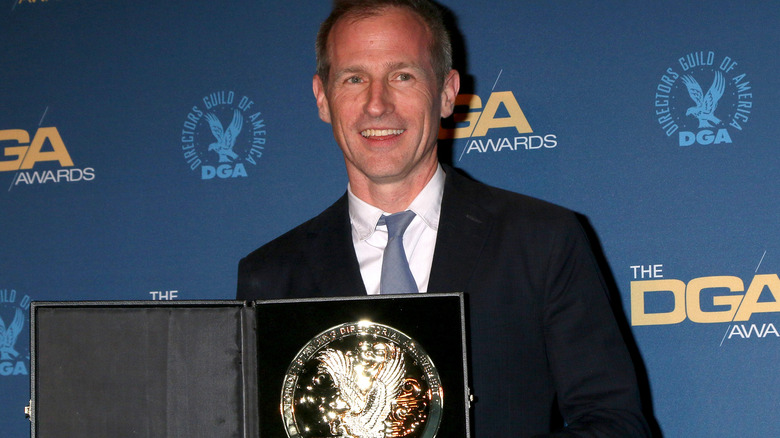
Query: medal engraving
pixel 361 380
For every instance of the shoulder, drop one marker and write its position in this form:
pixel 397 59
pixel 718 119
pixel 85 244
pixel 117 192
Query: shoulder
pixel 505 205
pixel 290 260
pixel 292 243
pixel 513 222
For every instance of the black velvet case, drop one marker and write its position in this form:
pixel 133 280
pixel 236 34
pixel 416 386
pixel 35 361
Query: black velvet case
pixel 211 368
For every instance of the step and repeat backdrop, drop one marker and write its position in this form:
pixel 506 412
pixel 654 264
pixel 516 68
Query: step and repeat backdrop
pixel 657 121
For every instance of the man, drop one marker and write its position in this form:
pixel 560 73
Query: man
pixel 542 335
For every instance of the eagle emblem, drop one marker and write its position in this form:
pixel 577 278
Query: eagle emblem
pixel 368 382
pixel 705 103
pixel 9 334
pixel 226 139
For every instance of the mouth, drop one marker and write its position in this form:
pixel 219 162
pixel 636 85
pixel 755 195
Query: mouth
pixel 374 133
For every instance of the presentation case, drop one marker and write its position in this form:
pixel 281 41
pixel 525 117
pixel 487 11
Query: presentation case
pixel 296 368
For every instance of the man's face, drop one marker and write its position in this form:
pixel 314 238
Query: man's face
pixel 382 97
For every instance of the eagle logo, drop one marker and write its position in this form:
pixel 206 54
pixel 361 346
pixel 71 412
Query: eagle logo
pixel 9 334
pixel 705 104
pixel 368 382
pixel 226 139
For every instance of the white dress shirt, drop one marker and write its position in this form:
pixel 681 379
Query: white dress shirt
pixel 419 238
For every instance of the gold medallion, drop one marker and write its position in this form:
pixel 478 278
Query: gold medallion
pixel 361 380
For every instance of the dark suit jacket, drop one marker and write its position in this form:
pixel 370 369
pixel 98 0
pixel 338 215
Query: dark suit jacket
pixel 542 333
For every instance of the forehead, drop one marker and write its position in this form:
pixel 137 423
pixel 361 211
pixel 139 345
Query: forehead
pixel 391 32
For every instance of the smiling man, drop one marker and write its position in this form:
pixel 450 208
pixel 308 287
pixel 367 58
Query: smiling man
pixel 543 340
pixel 385 101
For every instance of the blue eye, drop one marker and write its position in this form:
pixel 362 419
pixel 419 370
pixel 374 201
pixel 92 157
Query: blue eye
pixel 354 80
pixel 404 77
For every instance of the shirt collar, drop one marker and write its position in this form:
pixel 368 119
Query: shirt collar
pixel 427 205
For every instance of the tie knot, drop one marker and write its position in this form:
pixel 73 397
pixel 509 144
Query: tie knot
pixel 397 223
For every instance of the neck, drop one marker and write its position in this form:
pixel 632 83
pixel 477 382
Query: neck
pixel 392 196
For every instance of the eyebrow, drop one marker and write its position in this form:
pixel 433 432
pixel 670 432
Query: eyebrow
pixel 388 66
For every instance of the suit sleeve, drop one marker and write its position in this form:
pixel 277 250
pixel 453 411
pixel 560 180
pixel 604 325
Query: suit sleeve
pixel 592 370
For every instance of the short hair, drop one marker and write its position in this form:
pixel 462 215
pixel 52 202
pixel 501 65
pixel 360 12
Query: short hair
pixel 431 14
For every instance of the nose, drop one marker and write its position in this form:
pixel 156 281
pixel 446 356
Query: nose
pixel 380 100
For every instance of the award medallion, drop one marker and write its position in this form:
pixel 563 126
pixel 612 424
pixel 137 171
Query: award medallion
pixel 361 380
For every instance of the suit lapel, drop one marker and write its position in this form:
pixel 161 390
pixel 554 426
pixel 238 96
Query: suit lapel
pixel 463 230
pixel 331 254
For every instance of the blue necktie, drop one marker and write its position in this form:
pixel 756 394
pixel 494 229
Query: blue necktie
pixel 396 276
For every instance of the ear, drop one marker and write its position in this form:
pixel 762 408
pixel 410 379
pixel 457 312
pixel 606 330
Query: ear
pixel 322 100
pixel 449 92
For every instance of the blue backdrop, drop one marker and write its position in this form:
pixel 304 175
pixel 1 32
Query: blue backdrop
pixel 108 189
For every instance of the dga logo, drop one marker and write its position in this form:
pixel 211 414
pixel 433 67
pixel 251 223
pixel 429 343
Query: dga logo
pixel 221 137
pixel 14 333
pixel 656 300
pixel 703 99
pixel 501 116
pixel 23 157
